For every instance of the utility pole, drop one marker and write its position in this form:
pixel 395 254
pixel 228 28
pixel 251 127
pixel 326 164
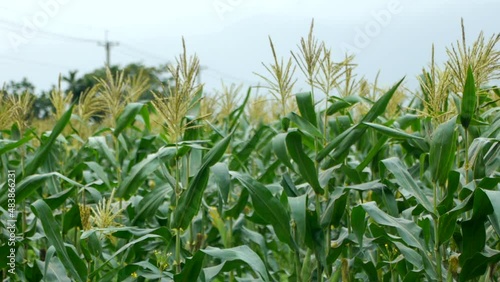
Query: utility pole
pixel 107 47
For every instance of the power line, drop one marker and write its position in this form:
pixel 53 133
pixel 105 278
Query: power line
pixel 17 28
pixel 126 53
pixel 144 52
pixel 231 77
pixel 36 62
pixel 106 44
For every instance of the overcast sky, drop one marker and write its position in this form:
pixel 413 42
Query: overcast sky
pixel 42 38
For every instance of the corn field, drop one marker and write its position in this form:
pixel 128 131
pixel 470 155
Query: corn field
pixel 347 181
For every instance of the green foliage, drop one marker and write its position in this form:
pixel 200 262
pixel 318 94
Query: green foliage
pixel 356 187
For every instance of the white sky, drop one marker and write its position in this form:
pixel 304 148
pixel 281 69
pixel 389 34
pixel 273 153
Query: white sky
pixel 230 36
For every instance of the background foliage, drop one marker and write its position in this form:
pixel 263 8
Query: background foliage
pixel 133 178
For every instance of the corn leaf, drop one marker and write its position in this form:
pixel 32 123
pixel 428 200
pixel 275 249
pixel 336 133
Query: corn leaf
pixel 478 263
pixel 44 150
pixel 306 107
pixel 342 103
pixel 391 132
pixel 11 145
pixel 494 217
pixel 149 205
pixel 468 100
pixel 405 181
pixel 240 253
pixel 121 250
pixel 442 151
pixel 30 184
pixel 306 166
pixel 279 148
pixel 304 125
pixel 223 179
pixel 140 171
pixel 335 209
pixel 76 268
pixel 191 269
pixel 407 229
pixel 190 200
pixel 343 142
pixel 267 206
pixel 298 207
pixel 127 117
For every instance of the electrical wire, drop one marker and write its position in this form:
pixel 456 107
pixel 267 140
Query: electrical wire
pixel 224 75
pixel 7 25
pixel 17 28
pixel 35 62
pixel 143 52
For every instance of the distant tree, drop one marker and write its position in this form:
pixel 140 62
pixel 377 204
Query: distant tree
pixel 19 87
pixel 42 106
pixel 71 78
pixel 158 77
pixel 77 85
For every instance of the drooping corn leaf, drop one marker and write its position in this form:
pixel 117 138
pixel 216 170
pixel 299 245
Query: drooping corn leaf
pixel 223 179
pixel 240 254
pixel 267 206
pixel 405 181
pixel 75 266
pixel 279 148
pixel 190 200
pixel 407 229
pixel 298 208
pixel 30 184
pixel 443 150
pixel 43 151
pixel 342 103
pixel 306 166
pixel 391 132
pixel 306 107
pixel 304 125
pixel 140 171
